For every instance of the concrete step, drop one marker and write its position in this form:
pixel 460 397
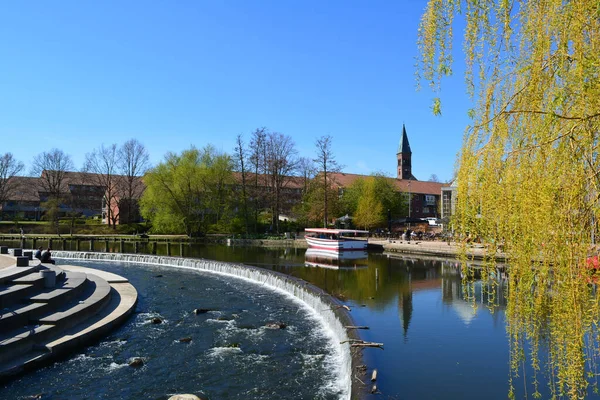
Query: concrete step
pixel 98 308
pixel 94 297
pixel 13 294
pixel 50 325
pixel 72 286
pixel 122 303
pixel 27 361
pixel 24 340
pixel 20 315
pixel 10 273
pixel 41 303
pixel 34 279
pixel 72 279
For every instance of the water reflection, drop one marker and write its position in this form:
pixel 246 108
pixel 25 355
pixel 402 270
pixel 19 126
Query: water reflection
pixel 343 259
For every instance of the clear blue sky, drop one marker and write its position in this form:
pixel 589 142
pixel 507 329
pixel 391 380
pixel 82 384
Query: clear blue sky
pixel 76 74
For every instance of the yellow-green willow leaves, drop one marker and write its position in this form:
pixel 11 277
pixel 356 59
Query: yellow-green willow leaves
pixel 529 168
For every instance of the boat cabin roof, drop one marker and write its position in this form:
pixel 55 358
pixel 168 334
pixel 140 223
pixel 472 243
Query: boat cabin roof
pixel 333 231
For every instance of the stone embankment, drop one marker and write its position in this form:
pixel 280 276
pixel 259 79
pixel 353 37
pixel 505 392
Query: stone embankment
pixel 50 310
pixel 432 248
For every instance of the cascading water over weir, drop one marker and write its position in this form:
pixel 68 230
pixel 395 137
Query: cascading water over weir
pixel 327 309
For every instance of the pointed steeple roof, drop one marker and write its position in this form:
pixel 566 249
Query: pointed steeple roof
pixel 404 147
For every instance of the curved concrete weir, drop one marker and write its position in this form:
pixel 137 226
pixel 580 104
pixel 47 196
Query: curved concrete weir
pixel 326 308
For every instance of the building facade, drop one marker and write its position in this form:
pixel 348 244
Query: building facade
pixel 79 195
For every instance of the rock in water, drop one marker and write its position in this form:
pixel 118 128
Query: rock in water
pixel 156 320
pixel 185 339
pixel 201 310
pixel 136 362
pixel 276 325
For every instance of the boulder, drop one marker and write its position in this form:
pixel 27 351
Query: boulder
pixel 186 397
pixel 136 362
pixel 156 320
pixel 275 325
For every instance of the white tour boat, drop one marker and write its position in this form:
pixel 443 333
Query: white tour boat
pixel 336 240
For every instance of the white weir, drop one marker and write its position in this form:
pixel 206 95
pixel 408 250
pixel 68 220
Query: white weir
pixel 321 305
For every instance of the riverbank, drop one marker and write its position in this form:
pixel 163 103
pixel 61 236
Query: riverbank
pixel 434 248
pixel 176 244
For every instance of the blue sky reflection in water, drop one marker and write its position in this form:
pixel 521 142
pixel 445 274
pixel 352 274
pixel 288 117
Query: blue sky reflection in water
pixel 232 354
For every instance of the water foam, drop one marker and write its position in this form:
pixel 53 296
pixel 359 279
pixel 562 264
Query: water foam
pixel 319 305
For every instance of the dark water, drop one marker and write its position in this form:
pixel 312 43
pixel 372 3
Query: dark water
pixel 232 355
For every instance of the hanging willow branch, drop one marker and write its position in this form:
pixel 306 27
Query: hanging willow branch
pixel 528 170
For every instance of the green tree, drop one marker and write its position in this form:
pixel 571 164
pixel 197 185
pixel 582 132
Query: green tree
pixel 369 210
pixel 311 211
pixel 188 192
pixel 528 174
pixel 384 191
pixel 217 181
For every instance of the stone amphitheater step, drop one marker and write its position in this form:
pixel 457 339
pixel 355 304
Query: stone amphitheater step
pixel 41 303
pixel 24 340
pixel 94 296
pixel 10 273
pixel 21 363
pixel 10 295
pixel 84 305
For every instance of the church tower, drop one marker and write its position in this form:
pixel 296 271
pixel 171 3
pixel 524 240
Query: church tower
pixel 404 157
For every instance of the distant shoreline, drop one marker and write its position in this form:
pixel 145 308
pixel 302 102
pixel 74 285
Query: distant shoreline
pixel 394 246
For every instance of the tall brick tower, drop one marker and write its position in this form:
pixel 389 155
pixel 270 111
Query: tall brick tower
pixel 404 157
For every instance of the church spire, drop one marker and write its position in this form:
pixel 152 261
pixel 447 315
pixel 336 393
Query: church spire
pixel 404 156
pixel 404 146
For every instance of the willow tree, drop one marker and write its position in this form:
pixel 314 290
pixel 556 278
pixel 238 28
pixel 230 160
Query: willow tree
pixel 188 192
pixel 529 167
pixel 369 212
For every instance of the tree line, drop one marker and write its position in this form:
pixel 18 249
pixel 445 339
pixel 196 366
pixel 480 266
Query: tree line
pixel 262 186
pixel 116 168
